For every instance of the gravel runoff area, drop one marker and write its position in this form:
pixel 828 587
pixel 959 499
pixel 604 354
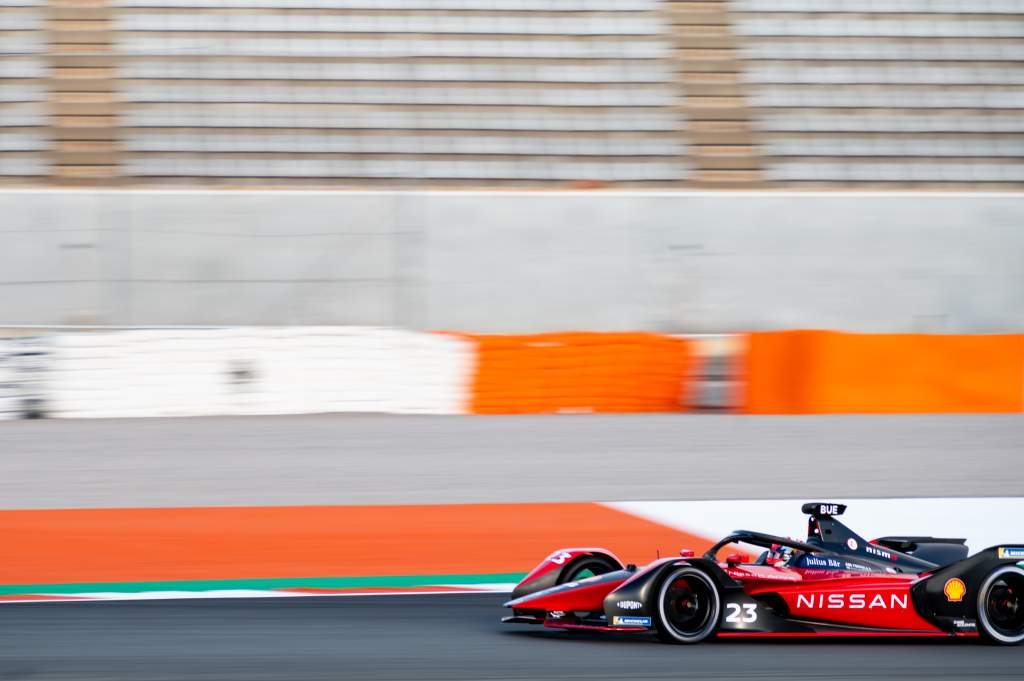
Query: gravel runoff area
pixel 380 459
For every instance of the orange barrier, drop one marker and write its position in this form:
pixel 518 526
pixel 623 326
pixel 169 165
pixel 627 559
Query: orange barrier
pixel 824 372
pixel 160 544
pixel 580 371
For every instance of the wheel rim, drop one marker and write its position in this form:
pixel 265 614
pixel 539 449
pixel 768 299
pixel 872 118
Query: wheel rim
pixel 1001 605
pixel 688 604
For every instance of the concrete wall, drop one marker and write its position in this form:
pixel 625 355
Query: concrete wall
pixel 515 261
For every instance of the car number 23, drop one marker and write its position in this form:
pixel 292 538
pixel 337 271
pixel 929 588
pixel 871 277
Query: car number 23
pixel 737 613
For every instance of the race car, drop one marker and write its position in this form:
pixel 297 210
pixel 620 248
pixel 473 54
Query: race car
pixel 835 583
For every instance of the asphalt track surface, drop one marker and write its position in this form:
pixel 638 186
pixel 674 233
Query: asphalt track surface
pixel 450 637
pixel 378 459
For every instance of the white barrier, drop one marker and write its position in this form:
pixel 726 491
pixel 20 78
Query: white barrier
pixel 23 367
pixel 10 407
pixel 256 370
pixel 215 371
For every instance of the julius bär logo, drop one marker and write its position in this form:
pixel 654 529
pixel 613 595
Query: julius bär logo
pixel 955 590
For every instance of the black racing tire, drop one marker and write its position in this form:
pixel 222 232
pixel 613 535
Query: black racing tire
pixel 1001 606
pixel 587 566
pixel 687 606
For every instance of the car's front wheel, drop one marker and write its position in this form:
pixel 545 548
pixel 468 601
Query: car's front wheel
pixel 688 606
pixel 587 566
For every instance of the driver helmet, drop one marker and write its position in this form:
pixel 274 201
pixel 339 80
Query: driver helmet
pixel 779 554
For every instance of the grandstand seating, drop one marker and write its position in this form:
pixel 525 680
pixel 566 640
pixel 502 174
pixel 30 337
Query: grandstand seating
pixel 702 93
pixel 23 93
pixel 413 90
pixel 886 91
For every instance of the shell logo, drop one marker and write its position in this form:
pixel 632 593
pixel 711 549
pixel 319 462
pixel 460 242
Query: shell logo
pixel 955 590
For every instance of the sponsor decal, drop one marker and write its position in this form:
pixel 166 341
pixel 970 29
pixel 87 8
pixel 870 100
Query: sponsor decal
pixel 828 509
pixel 826 563
pixel 852 543
pixel 629 621
pixel 965 624
pixel 853 601
pixel 881 553
pixel 955 590
pixel 557 614
pixel 629 605
pixel 854 567
pixel 1011 552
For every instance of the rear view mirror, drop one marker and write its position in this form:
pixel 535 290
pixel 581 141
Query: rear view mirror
pixel 735 559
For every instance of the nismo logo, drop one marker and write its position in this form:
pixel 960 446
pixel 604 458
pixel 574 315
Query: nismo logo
pixel 852 601
pixel 875 551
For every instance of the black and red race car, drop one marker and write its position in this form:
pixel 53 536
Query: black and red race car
pixel 833 584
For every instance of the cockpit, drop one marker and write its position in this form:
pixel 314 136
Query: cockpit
pixel 775 551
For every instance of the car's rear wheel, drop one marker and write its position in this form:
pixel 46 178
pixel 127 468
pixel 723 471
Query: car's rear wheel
pixel 688 606
pixel 587 566
pixel 1001 606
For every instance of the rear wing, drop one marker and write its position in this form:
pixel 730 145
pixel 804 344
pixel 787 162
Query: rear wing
pixel 909 544
pixel 938 550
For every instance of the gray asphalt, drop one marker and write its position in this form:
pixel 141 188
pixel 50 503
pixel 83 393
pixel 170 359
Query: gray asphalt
pixel 452 637
pixel 375 459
